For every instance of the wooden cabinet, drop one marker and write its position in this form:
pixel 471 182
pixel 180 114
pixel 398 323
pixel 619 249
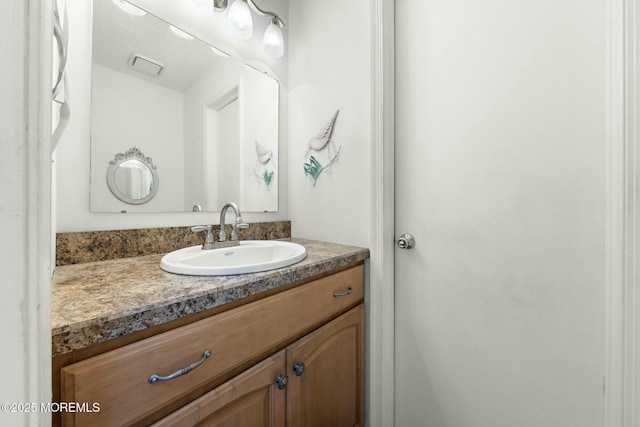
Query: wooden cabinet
pixel 329 389
pixel 253 398
pixel 250 346
pixel 323 385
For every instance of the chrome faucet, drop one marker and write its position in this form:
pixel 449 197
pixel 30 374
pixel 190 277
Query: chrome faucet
pixel 209 241
pixel 237 223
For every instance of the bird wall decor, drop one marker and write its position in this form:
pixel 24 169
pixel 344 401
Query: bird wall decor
pixel 263 154
pixel 321 141
pixel 261 169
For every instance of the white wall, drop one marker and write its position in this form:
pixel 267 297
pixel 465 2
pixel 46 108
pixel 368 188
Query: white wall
pixel 131 112
pixel 73 152
pixel 502 104
pixel 258 123
pixel 330 69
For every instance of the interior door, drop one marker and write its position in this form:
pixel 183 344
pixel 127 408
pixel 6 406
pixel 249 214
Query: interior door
pixel 500 179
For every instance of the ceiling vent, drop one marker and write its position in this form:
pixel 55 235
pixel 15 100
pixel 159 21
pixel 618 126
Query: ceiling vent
pixel 144 65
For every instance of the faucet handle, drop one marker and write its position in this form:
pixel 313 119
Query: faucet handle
pixel 239 223
pixel 208 240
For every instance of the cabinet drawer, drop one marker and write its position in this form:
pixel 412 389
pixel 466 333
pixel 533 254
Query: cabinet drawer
pixel 118 380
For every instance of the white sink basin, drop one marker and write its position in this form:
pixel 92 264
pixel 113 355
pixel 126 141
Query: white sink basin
pixel 250 257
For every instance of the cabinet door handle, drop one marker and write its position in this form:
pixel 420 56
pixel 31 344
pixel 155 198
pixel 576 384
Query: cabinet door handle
pixel 343 294
pixel 153 378
pixel 282 381
pixel 298 368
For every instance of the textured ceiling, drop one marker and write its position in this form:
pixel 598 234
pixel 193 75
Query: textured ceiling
pixel 116 34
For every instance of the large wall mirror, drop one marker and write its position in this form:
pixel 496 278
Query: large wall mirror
pixel 206 121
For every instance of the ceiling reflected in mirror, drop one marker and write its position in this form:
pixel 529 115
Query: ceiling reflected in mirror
pixel 199 111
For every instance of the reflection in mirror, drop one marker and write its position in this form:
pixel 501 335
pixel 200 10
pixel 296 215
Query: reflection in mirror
pixel 132 177
pixel 203 115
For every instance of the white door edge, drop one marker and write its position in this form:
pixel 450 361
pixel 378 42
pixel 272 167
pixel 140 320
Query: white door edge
pixel 380 333
pixel 621 406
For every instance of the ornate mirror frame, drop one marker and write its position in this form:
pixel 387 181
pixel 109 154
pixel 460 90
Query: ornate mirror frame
pixel 131 154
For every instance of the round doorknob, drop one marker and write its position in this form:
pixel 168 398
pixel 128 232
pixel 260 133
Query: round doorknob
pixel 406 241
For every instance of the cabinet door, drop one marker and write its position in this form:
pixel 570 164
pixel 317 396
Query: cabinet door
pixel 252 399
pixel 329 391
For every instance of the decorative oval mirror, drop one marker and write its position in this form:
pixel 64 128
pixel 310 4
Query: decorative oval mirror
pixel 132 177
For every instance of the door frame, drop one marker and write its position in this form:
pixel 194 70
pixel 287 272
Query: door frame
pixel 27 26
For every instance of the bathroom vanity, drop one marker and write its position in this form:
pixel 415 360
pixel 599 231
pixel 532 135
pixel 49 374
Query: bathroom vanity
pixel 272 348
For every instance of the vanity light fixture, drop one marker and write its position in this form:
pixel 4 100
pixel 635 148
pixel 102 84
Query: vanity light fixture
pixel 240 21
pixel 220 5
pixel 129 8
pixel 272 41
pixel 241 24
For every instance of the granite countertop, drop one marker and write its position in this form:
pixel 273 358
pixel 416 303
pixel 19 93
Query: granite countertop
pixel 98 301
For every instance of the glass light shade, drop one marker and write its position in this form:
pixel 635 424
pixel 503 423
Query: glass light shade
pixel 272 41
pixel 129 8
pixel 240 22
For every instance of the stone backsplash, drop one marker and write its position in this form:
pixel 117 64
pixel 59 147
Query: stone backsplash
pixel 89 246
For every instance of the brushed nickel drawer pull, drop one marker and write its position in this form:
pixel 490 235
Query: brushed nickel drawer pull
pixel 343 294
pixel 153 378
